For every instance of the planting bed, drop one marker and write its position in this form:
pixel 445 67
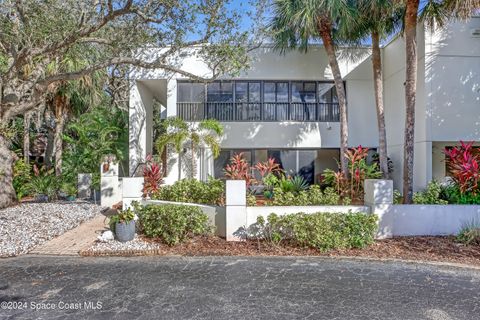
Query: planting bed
pixel 440 249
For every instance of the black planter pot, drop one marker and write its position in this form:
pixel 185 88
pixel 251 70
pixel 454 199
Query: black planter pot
pixel 125 231
pixel 42 198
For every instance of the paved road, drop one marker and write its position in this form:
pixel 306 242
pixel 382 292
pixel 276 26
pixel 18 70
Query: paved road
pixel 234 288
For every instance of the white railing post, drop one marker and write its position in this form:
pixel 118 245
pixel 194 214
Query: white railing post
pixel 379 196
pixel 236 210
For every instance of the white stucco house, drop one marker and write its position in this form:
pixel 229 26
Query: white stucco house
pixel 284 106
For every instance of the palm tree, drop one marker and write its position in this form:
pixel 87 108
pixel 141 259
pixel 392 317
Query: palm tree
pixel 297 23
pixel 377 20
pixel 72 99
pixel 434 11
pixel 177 132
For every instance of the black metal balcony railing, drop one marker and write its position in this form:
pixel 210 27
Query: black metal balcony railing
pixel 266 111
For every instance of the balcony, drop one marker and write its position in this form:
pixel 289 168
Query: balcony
pixel 256 111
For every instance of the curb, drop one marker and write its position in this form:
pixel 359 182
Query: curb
pixel 159 253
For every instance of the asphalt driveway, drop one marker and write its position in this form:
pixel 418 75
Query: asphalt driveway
pixel 36 287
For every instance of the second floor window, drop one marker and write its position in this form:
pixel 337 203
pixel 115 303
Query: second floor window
pixel 258 100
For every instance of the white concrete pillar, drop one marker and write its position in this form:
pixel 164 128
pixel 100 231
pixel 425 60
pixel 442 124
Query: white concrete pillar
pixel 131 191
pixel 379 196
pixel 84 185
pixel 110 192
pixel 236 210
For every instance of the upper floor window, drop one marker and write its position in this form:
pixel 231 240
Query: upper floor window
pixel 190 92
pixel 220 91
pixel 258 100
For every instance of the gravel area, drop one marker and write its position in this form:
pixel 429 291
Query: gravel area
pixel 27 225
pixel 114 247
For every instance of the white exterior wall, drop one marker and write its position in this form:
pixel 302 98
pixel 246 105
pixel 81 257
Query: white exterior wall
pixel 394 99
pixel 454 83
pixel 448 96
pixel 447 106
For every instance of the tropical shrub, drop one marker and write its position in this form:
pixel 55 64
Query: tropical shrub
pixel 172 223
pixel 397 197
pixel 295 184
pixel 310 197
pixel 351 186
pixel 269 167
pixel 239 169
pixel 153 176
pixel 251 200
pixel 70 189
pixel 90 137
pixel 22 174
pixel 210 192
pixel 431 195
pixel 463 162
pixel 322 231
pixel 452 194
pixel 44 182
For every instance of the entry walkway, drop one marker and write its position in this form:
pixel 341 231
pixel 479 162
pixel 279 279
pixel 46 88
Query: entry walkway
pixel 71 242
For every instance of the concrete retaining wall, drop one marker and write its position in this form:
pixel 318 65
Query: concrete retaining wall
pixel 416 220
pixel 393 220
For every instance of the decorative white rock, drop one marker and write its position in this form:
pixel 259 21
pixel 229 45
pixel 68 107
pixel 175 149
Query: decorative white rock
pixel 106 236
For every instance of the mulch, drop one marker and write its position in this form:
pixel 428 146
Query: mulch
pixel 438 249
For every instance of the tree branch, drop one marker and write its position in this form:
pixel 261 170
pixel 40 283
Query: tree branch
pixel 120 61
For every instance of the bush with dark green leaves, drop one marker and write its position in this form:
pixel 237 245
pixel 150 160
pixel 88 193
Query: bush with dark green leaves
pixel 312 196
pixel 22 174
pixel 172 223
pixel 210 192
pixel 431 195
pixel 322 231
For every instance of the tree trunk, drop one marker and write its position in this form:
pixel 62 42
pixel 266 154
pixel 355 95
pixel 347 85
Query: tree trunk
pixel 7 159
pixel 26 137
pixel 59 126
pixel 378 88
pixel 193 160
pixel 326 34
pixel 50 140
pixel 410 95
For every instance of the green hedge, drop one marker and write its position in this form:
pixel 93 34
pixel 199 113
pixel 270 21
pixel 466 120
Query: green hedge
pixel 211 192
pixel 322 231
pixel 172 223
pixel 310 197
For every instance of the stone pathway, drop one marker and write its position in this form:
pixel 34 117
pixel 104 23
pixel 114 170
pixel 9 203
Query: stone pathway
pixel 71 242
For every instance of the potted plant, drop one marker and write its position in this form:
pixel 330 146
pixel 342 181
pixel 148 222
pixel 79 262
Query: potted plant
pixel 123 225
pixel 70 191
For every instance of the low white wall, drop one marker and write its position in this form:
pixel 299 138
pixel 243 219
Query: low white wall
pixel 254 212
pixel 420 220
pixel 216 214
pixel 131 190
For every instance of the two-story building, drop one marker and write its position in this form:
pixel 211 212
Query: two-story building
pixel 284 106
